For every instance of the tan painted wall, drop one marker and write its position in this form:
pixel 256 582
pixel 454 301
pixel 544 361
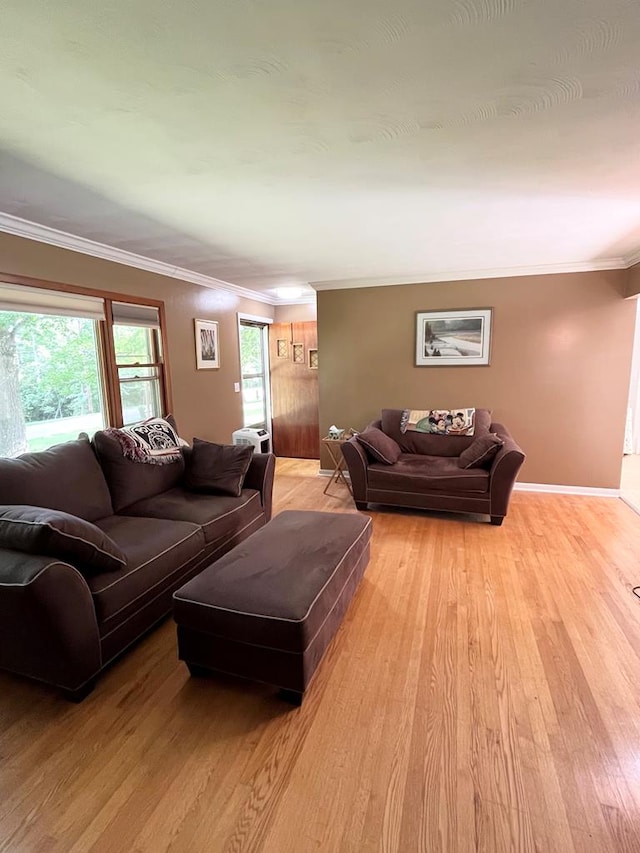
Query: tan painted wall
pixel 559 373
pixel 633 280
pixel 295 313
pixel 205 403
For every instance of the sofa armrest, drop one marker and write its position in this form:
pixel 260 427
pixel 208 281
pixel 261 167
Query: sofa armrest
pixel 260 476
pixel 48 626
pixel 357 463
pixel 504 471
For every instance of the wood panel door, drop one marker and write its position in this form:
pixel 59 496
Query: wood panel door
pixel 294 390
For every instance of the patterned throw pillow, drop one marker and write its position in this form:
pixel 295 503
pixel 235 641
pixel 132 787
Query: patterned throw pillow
pixel 153 441
pixel 439 421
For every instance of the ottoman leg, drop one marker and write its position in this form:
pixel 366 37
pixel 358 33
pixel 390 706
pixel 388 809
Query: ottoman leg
pixel 81 693
pixel 294 697
pixel 197 671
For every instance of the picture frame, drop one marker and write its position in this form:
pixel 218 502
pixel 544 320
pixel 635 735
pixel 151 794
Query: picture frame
pixel 313 359
pixel 298 353
pixel 453 338
pixel 207 344
pixel 282 348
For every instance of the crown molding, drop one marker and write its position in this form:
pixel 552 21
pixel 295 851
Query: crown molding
pixel 633 258
pixel 303 300
pixel 63 240
pixel 466 275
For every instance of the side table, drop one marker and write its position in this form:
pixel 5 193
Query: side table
pixel 334 446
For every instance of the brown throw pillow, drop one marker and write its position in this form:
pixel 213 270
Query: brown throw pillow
pixel 36 530
pixel 381 446
pixel 480 451
pixel 219 469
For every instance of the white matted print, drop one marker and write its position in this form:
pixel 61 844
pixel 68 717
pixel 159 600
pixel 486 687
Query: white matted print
pixel 207 344
pixel 453 338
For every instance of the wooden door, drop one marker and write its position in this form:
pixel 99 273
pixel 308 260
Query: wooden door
pixel 294 389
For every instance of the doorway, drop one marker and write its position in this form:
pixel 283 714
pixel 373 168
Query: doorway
pixel 294 387
pixel 630 478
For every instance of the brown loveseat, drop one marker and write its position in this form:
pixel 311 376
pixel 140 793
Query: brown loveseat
pixel 427 473
pixel 62 621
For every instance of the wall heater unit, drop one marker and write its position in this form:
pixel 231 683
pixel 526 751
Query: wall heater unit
pixel 259 439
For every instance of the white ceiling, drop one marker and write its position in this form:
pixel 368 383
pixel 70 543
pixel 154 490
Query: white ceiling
pixel 278 142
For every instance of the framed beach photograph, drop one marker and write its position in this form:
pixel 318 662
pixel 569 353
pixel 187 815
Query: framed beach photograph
pixel 453 338
pixel 207 344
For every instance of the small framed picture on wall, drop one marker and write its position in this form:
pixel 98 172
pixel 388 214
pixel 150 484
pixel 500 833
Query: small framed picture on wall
pixel 207 344
pixel 453 338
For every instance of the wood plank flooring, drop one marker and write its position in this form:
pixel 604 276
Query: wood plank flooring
pixel 483 694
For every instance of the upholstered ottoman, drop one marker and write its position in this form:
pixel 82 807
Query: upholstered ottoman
pixel 268 609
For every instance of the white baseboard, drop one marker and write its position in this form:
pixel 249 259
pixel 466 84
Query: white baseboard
pixel 548 488
pixel 327 472
pixel 631 503
pixel 585 491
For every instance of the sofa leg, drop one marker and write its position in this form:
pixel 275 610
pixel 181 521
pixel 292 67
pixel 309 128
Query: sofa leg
pixel 197 671
pixel 81 693
pixel 363 506
pixel 294 697
pixel 497 520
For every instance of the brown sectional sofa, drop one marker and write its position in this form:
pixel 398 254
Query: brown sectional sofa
pixel 61 623
pixel 427 474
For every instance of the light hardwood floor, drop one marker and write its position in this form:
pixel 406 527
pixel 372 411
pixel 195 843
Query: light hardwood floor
pixel 483 694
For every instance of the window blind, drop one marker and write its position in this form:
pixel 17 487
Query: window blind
pixel 36 300
pixel 131 314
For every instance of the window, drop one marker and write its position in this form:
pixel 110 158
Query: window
pixel 255 406
pixel 72 362
pixel 50 380
pixel 137 347
pixel 138 373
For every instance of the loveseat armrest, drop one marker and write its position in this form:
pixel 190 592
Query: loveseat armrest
pixel 504 471
pixel 357 463
pixel 260 476
pixel 48 626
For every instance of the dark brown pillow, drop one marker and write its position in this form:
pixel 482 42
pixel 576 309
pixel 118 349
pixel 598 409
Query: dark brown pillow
pixel 35 530
pixel 480 451
pixel 381 446
pixel 219 469
pixel 129 481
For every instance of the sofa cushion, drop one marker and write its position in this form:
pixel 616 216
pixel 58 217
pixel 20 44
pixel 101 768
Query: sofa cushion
pixel 429 444
pixel 66 477
pixel 482 451
pixel 156 553
pixel 131 481
pixel 381 446
pixel 35 530
pixel 419 473
pixel 220 516
pixel 217 469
